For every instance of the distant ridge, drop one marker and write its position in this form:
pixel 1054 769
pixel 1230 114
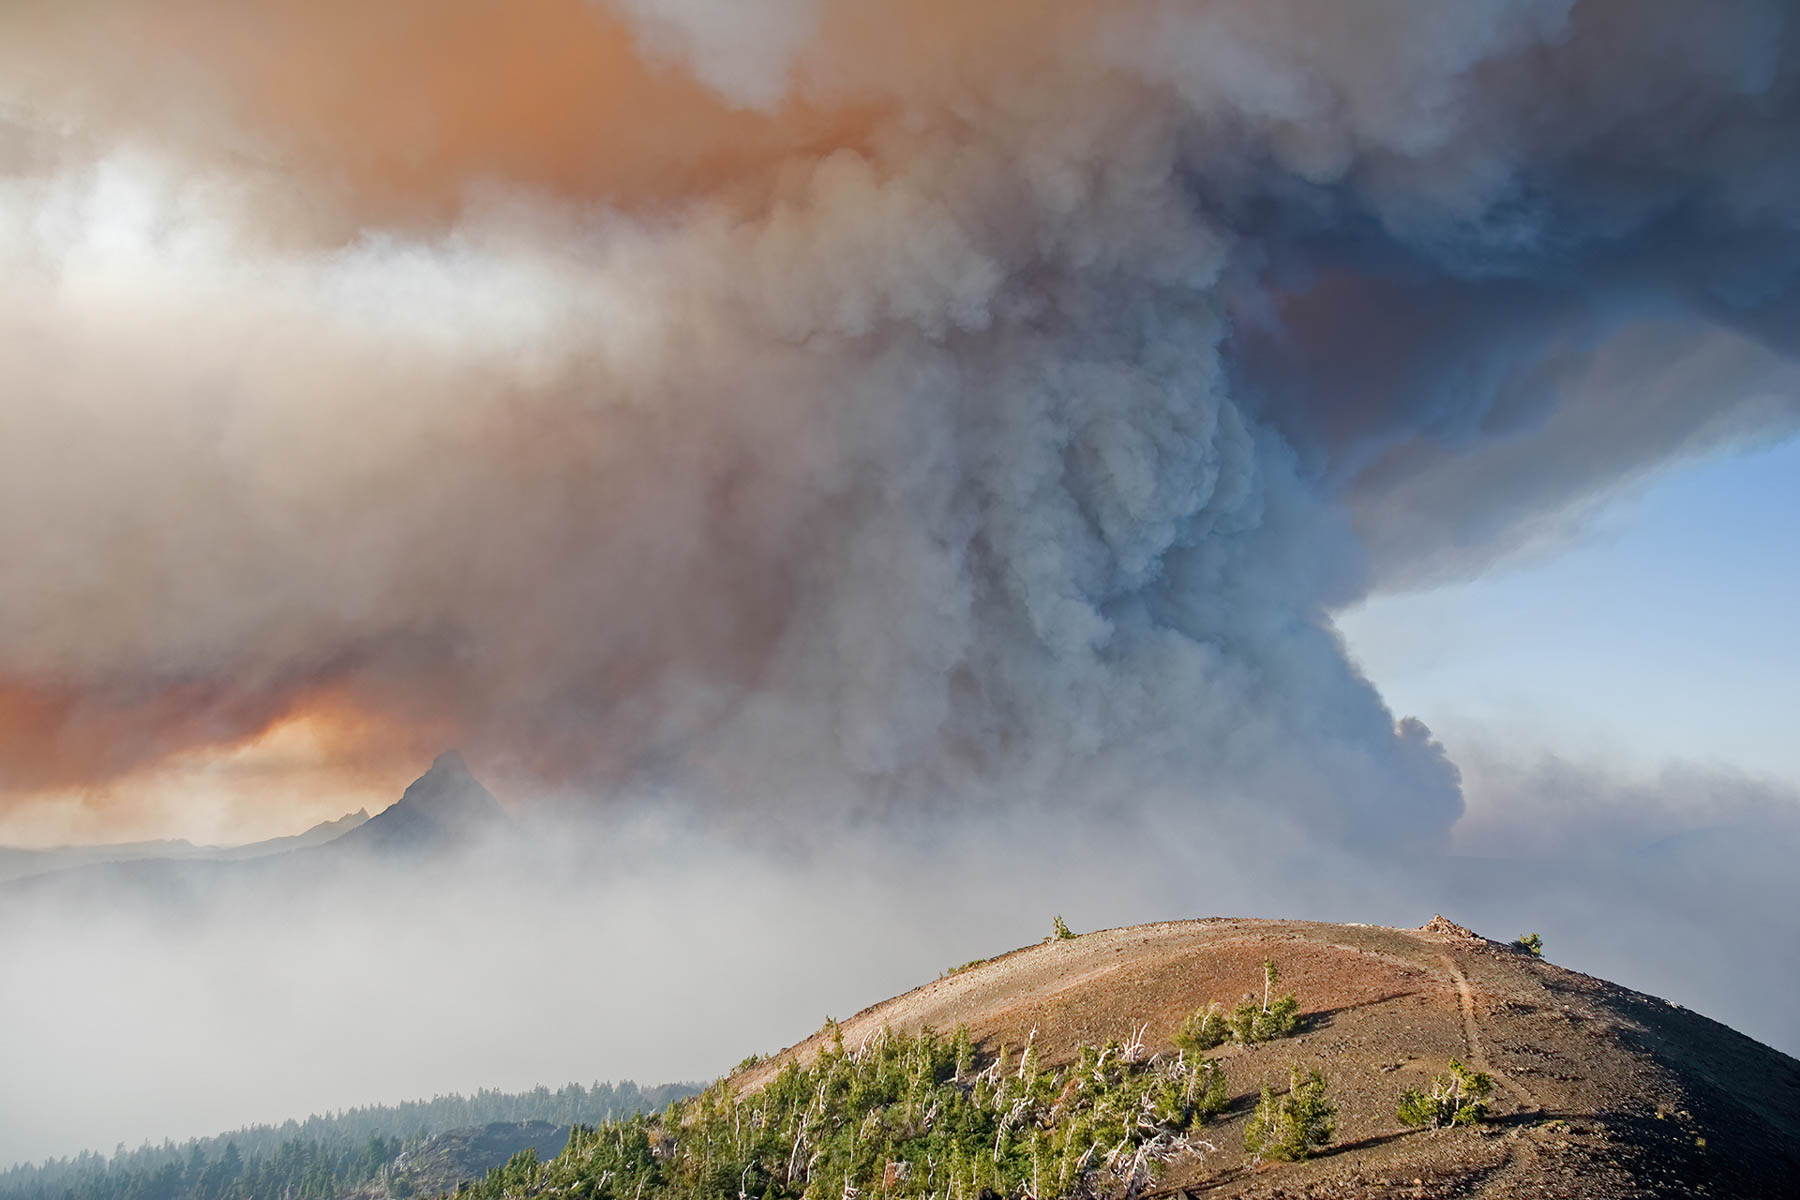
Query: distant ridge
pixel 318 835
pixel 17 863
pixel 431 1146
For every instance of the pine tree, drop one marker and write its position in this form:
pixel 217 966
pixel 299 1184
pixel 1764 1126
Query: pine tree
pixel 1459 1098
pixel 1203 1029
pixel 1275 1017
pixel 1288 1127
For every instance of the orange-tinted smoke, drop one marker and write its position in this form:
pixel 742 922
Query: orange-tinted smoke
pixel 396 110
pixel 55 738
pixel 350 116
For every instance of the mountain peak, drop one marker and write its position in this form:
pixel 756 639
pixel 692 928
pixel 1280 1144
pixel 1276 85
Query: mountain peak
pixel 446 768
pixel 444 807
pixel 449 793
pixel 450 761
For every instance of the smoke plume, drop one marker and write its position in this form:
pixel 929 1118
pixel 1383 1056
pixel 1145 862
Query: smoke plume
pixel 820 414
pixel 858 408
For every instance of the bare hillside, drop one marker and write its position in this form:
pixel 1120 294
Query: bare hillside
pixel 1599 1091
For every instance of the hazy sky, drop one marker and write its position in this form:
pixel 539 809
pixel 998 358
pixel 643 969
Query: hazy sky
pixel 1662 632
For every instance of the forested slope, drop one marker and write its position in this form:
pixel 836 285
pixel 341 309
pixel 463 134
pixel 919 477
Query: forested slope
pixel 322 1157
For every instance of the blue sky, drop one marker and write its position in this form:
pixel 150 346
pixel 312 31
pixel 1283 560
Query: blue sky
pixel 1666 633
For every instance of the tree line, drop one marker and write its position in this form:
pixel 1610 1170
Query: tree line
pixel 323 1157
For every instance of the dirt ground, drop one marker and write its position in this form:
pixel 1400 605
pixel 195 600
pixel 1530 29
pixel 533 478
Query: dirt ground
pixel 1599 1091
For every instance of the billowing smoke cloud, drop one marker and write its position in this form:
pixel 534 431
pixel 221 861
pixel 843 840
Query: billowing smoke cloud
pixel 868 407
pixel 864 413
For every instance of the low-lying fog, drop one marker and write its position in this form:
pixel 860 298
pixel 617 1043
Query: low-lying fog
pixel 657 950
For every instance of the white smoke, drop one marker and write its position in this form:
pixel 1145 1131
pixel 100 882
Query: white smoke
pixel 839 413
pixel 1019 446
pixel 923 480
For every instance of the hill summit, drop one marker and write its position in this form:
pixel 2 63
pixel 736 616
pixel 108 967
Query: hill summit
pixel 1226 1057
pixel 1597 1091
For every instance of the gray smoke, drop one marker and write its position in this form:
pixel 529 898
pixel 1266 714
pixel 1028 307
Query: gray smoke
pixel 906 415
pixel 1019 446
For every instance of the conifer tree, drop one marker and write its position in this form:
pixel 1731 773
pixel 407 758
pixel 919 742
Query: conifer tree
pixel 1459 1098
pixel 1288 1127
pixel 1203 1029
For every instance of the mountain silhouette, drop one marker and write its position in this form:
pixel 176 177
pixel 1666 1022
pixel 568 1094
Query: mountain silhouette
pixel 443 809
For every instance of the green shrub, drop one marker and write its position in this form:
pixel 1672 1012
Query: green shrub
pixel 1059 930
pixel 1251 1024
pixel 1204 1029
pixel 1207 1095
pixel 1275 1017
pixel 1531 944
pixel 1458 1098
pixel 1288 1127
pixel 1248 1022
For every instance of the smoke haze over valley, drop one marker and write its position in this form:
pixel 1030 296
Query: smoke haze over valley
pixel 854 479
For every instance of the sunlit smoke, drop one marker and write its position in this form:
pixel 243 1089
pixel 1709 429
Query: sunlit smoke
pixel 923 416
pixel 998 421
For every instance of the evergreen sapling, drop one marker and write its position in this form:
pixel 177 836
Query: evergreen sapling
pixel 1459 1098
pixel 1288 1127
